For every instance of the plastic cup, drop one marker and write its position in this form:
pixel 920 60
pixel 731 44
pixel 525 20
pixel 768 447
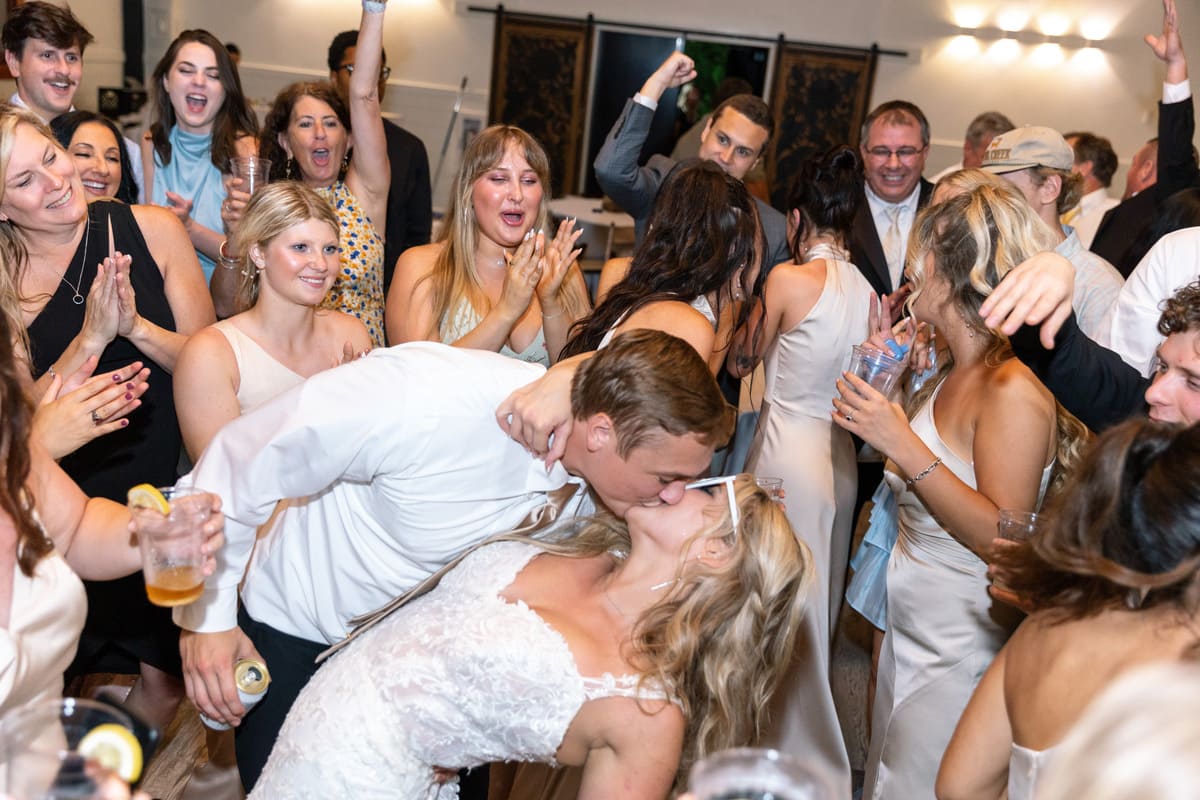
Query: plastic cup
pixel 172 560
pixel 751 773
pixel 772 486
pixel 41 749
pixel 252 170
pixel 878 369
pixel 1017 526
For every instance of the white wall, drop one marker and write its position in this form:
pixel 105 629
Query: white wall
pixel 431 44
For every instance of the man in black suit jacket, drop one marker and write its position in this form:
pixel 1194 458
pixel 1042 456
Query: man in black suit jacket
pixel 1119 239
pixel 895 143
pixel 410 201
pixel 734 139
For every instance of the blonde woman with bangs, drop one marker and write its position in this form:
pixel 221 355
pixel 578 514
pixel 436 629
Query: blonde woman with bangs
pixel 979 437
pixel 496 280
pixel 630 648
pixel 288 245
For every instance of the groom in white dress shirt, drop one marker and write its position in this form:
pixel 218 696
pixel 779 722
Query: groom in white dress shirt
pixel 399 465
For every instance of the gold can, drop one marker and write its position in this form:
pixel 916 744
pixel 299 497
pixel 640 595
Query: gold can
pixel 251 676
pixel 252 679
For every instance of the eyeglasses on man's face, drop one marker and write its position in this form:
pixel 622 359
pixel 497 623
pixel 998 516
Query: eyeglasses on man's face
pixel 904 154
pixel 384 72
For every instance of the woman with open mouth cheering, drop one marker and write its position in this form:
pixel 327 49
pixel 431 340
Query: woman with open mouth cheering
pixel 201 121
pixel 308 135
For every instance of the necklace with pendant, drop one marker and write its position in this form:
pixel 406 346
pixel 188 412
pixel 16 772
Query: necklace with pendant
pixel 78 298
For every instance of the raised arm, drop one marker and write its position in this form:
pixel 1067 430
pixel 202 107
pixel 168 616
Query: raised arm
pixel 1176 169
pixel 223 286
pixel 634 188
pixel 369 176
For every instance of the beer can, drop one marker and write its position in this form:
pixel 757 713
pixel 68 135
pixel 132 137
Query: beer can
pixel 252 679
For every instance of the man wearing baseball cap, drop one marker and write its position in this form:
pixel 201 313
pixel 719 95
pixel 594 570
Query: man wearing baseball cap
pixel 1038 161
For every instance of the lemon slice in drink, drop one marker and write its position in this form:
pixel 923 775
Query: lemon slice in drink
pixel 146 496
pixel 113 747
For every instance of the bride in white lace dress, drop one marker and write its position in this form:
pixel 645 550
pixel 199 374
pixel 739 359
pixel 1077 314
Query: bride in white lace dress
pixel 627 648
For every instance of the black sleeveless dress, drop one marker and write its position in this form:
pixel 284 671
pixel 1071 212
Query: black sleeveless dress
pixel 122 626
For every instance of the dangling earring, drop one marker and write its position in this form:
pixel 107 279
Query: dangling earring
pixel 291 162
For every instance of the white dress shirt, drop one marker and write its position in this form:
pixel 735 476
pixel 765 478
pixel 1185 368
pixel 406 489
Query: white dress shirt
pixel 1097 284
pixel 1092 208
pixel 131 149
pixel 1132 327
pixel 401 466
pixel 908 213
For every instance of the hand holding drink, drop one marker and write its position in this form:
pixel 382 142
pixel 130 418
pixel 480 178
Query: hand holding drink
pixel 172 529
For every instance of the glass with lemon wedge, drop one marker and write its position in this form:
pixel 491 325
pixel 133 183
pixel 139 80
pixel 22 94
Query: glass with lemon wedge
pixel 68 748
pixel 170 533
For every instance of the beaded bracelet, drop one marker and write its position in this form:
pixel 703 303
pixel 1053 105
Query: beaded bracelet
pixel 908 484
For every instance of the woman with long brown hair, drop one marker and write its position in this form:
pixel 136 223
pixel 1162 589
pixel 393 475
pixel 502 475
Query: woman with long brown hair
pixel 200 122
pixel 1112 579
pixel 496 280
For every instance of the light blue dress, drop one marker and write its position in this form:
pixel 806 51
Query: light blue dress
pixel 192 175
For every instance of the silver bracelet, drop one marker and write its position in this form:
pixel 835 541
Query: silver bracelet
pixel 373 6
pixel 552 316
pixel 228 262
pixel 908 484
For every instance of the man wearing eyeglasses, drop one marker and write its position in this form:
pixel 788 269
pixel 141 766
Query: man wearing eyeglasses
pixel 894 144
pixel 410 202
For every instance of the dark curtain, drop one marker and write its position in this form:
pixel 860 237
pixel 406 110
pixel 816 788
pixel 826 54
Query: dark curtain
pixel 539 72
pixel 819 99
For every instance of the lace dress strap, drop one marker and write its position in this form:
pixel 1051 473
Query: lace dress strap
pixel 609 685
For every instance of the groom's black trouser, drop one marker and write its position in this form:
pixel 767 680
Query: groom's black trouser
pixel 291 662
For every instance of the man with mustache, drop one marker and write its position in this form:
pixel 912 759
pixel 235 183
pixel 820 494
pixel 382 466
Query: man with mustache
pixel 43 48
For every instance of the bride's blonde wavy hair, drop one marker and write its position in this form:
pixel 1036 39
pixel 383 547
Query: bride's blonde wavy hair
pixel 721 639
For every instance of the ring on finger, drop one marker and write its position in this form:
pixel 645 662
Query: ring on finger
pixel 95 417
pixel 850 417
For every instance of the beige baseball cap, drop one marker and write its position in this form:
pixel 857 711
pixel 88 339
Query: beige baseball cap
pixel 1031 146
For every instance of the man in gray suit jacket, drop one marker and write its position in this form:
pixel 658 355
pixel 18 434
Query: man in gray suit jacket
pixel 734 139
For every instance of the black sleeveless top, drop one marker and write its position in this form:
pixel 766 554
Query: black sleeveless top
pixel 147 451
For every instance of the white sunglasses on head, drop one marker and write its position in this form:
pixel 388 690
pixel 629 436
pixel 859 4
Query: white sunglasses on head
pixel 728 480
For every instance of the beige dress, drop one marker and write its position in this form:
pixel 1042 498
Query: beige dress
pixel 798 442
pixel 43 631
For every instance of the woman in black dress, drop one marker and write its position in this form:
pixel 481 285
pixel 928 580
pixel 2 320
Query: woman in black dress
pixel 120 283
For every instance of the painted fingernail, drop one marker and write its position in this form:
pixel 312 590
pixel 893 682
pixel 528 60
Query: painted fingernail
pixel 124 423
pixel 130 386
pixel 129 395
pixel 117 379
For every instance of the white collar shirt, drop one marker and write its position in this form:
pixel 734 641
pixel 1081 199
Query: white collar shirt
pixel 1131 329
pixel 400 466
pixel 880 213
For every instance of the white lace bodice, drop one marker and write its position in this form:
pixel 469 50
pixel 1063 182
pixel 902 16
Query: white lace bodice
pixel 459 677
